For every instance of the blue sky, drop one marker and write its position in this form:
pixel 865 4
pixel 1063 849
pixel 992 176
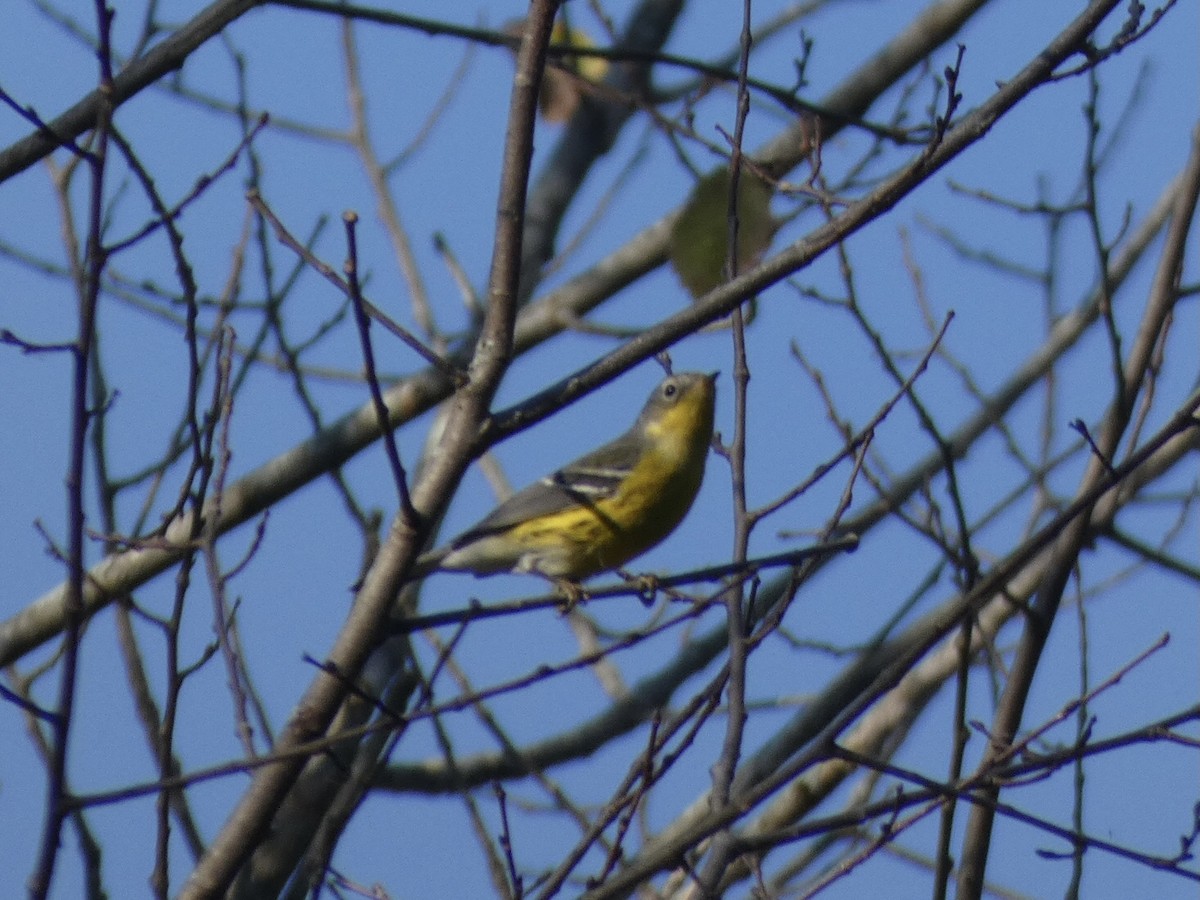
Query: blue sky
pixel 295 592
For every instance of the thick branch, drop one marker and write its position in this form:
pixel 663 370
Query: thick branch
pixel 364 629
pixel 1066 551
pixel 161 60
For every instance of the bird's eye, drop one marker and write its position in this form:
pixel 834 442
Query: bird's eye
pixel 670 389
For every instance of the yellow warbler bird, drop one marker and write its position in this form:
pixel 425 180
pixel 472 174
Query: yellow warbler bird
pixel 606 507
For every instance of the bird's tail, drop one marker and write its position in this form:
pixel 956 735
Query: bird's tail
pixel 427 563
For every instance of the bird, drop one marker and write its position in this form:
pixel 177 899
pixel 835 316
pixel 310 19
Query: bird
pixel 604 509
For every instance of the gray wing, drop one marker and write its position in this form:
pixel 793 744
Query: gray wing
pixel 592 477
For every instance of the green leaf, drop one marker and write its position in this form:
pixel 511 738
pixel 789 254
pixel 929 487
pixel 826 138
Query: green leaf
pixel 700 238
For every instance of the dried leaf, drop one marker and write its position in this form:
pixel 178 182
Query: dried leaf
pixel 562 87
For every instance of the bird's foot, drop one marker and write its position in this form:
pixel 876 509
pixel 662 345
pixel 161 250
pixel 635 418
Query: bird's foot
pixel 646 585
pixel 572 593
